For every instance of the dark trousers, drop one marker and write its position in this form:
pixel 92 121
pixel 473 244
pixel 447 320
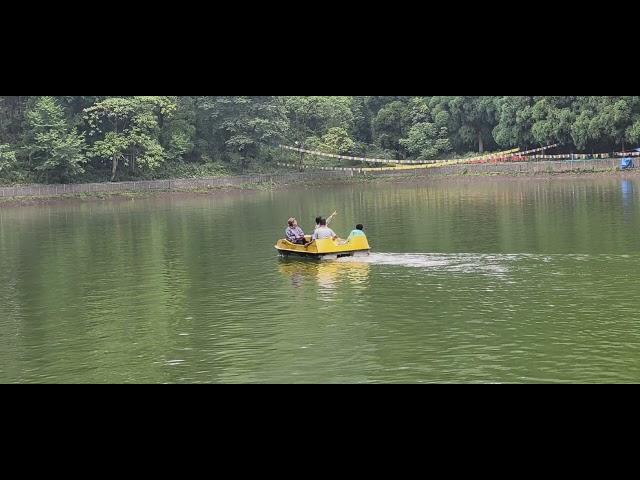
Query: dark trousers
pixel 299 241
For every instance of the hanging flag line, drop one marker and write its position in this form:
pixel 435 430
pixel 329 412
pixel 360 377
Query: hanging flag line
pixel 570 156
pixel 361 169
pixel 514 155
pixel 398 162
pixel 316 167
pixel 582 156
pixel 394 168
pixel 536 150
pixel 347 157
pixel 489 156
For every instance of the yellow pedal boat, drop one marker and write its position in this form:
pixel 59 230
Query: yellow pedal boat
pixel 327 249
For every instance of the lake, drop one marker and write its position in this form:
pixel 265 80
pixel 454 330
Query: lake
pixel 470 280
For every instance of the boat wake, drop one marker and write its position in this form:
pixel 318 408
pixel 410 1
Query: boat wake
pixel 491 264
pixel 460 263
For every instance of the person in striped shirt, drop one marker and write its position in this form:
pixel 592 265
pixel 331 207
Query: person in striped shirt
pixel 294 233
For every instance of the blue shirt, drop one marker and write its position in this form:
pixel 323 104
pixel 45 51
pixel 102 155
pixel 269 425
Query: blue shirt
pixel 354 234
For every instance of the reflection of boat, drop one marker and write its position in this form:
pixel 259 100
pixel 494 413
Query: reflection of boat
pixel 325 249
pixel 327 274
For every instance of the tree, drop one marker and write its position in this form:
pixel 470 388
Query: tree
pixel 471 119
pixel 337 140
pixel 515 122
pixel 633 132
pixel 246 126
pixel 53 147
pixel 605 120
pixel 362 120
pixel 553 118
pixel 146 133
pixel 7 159
pixel 179 132
pixel 11 118
pixel 129 129
pixel 391 124
pixel 427 141
pixel 315 115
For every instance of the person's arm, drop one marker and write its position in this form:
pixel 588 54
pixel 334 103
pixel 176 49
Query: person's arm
pixel 331 218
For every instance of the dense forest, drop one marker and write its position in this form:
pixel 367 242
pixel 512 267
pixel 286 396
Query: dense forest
pixel 102 138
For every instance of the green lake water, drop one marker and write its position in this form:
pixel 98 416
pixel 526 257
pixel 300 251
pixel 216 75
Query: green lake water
pixel 471 280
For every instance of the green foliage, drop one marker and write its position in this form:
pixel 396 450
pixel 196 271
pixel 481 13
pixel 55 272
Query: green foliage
pixel 471 120
pixel 78 138
pixel 603 119
pixel 427 141
pixel 633 132
pixel 244 127
pixel 53 147
pixel 514 122
pixel 337 140
pixel 128 129
pixel 391 124
pixel 8 158
pixel 314 116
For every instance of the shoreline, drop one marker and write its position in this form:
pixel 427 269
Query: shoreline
pixel 393 178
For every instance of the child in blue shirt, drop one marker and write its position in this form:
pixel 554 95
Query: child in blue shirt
pixel 358 232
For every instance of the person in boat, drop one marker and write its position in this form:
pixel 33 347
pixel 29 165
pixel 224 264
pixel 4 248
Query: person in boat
pixel 294 233
pixel 323 231
pixel 358 232
pixel 328 220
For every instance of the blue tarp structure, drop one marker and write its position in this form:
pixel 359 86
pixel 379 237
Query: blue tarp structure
pixel 626 163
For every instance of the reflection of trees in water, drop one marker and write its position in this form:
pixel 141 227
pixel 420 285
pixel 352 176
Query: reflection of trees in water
pixel 329 275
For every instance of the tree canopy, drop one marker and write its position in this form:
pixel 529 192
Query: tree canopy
pixel 75 138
